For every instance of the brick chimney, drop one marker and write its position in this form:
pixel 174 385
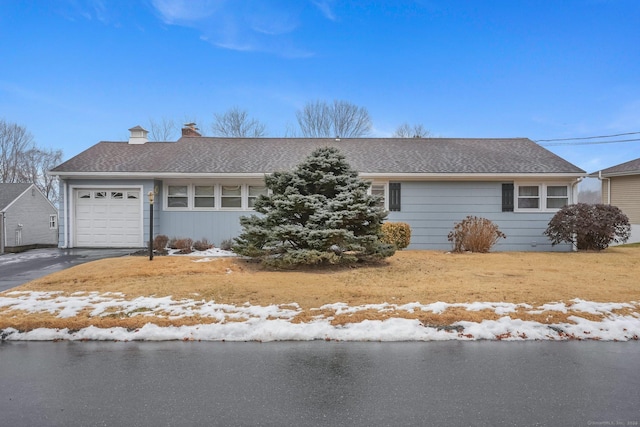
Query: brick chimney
pixel 190 129
pixel 138 135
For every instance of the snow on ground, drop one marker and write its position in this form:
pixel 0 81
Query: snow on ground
pixel 274 322
pixel 213 252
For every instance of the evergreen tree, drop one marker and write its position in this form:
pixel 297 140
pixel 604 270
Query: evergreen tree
pixel 319 213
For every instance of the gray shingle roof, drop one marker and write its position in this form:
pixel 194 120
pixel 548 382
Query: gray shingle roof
pixel 10 192
pixel 203 155
pixel 628 168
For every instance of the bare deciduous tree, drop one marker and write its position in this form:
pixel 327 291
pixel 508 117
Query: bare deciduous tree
pixel 22 161
pixel 15 140
pixel 405 130
pixel 339 119
pixel 236 123
pixel 39 162
pixel 591 197
pixel 163 130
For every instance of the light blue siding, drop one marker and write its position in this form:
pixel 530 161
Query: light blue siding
pixel 215 226
pixel 430 208
pixel 433 208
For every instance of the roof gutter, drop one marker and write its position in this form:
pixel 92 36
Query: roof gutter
pixel 367 175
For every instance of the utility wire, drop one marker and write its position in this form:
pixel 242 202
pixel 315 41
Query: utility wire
pixel 588 142
pixel 587 137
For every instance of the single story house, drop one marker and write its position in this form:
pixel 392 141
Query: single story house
pixel 27 218
pixel 621 188
pixel 202 185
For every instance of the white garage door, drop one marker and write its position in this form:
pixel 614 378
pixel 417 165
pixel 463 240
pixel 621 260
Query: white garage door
pixel 108 218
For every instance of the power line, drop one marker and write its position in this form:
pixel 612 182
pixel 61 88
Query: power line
pixel 589 142
pixel 588 137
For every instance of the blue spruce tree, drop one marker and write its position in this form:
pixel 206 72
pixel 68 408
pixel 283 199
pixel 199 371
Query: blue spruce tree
pixel 319 213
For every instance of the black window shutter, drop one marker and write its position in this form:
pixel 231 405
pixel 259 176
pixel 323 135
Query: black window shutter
pixel 507 197
pixel 394 196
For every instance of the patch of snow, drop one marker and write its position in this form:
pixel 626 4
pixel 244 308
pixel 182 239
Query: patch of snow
pixel 213 253
pixel 247 322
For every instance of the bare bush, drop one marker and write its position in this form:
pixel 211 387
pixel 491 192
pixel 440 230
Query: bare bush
pixel 184 246
pixel 475 235
pixel 226 244
pixel 160 242
pixel 202 245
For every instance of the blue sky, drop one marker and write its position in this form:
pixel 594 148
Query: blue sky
pixel 75 72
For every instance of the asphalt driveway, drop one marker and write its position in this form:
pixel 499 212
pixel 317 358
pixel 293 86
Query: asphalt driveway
pixel 20 268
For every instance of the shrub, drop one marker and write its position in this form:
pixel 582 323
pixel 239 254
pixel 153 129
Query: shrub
pixel 171 244
pixel 183 245
pixel 589 227
pixel 226 244
pixel 297 258
pixel 202 245
pixel 160 242
pixel 475 234
pixel 396 233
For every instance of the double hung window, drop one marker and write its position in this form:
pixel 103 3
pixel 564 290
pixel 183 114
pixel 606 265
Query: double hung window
pixel 204 196
pixel 557 196
pixel 255 192
pixel 177 196
pixel 540 197
pixel 529 197
pixel 231 196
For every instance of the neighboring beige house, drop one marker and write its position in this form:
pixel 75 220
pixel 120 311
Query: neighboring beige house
pixel 27 218
pixel 621 188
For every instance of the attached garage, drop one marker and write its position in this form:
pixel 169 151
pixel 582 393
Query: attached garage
pixel 108 217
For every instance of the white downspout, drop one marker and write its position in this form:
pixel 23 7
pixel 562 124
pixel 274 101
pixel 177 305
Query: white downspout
pixel 2 233
pixel 574 195
pixel 574 190
pixel 608 186
pixel 65 211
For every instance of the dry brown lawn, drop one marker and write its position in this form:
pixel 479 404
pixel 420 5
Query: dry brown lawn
pixel 409 276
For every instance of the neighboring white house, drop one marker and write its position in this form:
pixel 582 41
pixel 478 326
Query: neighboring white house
pixel 27 218
pixel 203 185
pixel 621 188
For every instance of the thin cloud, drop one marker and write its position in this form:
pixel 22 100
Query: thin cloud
pixel 240 25
pixel 186 12
pixel 325 6
pixel 101 11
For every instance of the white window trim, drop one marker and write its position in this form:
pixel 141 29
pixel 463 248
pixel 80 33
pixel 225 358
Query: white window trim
pixel 191 196
pixel 385 196
pixel 217 191
pixel 53 222
pixel 542 195
pixel 243 196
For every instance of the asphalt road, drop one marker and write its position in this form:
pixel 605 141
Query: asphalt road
pixel 19 268
pixel 484 383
